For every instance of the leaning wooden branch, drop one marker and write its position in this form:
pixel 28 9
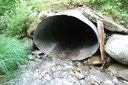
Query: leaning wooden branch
pixel 101 37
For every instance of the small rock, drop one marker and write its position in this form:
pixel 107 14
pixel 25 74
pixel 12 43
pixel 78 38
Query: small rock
pixel 35 75
pixel 77 69
pixel 82 82
pixel 30 57
pixel 53 69
pixel 116 81
pixel 42 74
pixel 93 83
pixel 66 82
pixel 115 68
pixel 108 82
pixel 79 75
pixel 37 60
pixel 123 74
pixel 125 82
pixel 94 60
pixel 57 81
pixel 37 52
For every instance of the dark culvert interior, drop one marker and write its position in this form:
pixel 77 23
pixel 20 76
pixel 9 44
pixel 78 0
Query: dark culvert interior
pixel 67 31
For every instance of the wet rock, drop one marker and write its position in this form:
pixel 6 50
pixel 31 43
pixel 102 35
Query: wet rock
pixel 93 83
pixel 30 57
pixel 123 74
pixel 51 71
pixel 94 60
pixel 32 65
pixel 115 68
pixel 36 52
pixel 95 75
pixel 116 81
pixel 82 82
pixel 79 75
pixel 59 71
pixel 116 47
pixel 108 82
pixel 37 60
pixel 125 82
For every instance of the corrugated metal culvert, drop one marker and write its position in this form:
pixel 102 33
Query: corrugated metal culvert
pixel 67 30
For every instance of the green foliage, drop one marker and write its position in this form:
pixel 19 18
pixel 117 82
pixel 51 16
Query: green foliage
pixel 50 5
pixel 117 9
pixel 36 5
pixel 6 5
pixel 14 21
pixel 12 54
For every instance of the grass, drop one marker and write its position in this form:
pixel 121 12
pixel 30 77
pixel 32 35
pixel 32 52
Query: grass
pixel 6 5
pixel 116 9
pixel 12 54
pixel 15 21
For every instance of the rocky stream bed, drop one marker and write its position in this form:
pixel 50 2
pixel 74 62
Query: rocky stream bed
pixel 49 70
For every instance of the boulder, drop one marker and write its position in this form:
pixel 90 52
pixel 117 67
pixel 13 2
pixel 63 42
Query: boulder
pixel 109 24
pixel 117 48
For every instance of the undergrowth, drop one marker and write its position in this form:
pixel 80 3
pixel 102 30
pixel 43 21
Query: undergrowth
pixel 6 5
pixel 12 54
pixel 116 9
pixel 15 21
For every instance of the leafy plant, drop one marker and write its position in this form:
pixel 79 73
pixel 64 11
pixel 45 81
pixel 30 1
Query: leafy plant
pixel 117 9
pixel 15 21
pixel 6 5
pixel 12 54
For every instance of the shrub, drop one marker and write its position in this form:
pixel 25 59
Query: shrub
pixel 117 9
pixel 6 5
pixel 14 21
pixel 12 54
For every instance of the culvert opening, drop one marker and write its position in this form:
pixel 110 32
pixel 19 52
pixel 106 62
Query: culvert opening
pixel 67 32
